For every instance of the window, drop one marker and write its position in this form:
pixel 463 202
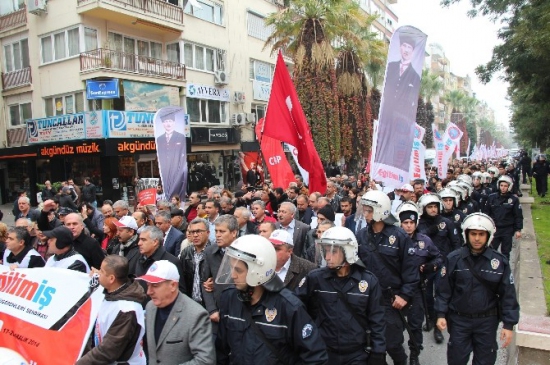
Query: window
pixel 19 113
pixel 261 71
pixel 146 48
pixel 210 11
pixel 199 57
pixel 173 52
pixel 16 55
pixel 65 44
pixel 257 28
pixel 206 111
pixel 65 104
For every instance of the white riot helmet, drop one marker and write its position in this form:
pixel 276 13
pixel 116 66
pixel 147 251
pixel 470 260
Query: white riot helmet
pixel 465 177
pixel 449 193
pixel 477 176
pixel 481 222
pixel 379 202
pixel 459 190
pixel 257 253
pixel 486 178
pixel 467 187
pixel 428 199
pixel 407 207
pixel 494 170
pixel 507 179
pixel 334 239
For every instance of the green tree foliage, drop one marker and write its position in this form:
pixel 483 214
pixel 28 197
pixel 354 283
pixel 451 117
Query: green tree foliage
pixel 523 57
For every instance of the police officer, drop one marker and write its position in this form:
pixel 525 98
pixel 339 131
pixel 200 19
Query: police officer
pixel 386 250
pixel 495 174
pixel 450 199
pixel 504 208
pixel 486 182
pixel 467 205
pixel 480 194
pixel 344 299
pixel 444 235
pixel 429 259
pixel 475 282
pixel 261 322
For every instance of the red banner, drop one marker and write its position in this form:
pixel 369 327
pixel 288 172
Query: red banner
pixel 251 168
pixel 147 196
pixel 275 159
pixel 286 122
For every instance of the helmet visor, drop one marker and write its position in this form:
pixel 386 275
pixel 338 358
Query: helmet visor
pixel 330 253
pixel 234 267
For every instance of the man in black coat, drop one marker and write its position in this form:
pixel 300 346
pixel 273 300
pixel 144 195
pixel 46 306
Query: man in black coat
pixel 541 169
pixel 85 245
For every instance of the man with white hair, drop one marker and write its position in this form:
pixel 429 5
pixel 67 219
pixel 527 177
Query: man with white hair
pixel 25 210
pixel 297 229
pixel 243 216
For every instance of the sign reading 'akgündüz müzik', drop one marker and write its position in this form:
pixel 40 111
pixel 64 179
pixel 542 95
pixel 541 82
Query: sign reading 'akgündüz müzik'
pixel 102 89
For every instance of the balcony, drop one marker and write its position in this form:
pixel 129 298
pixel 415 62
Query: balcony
pixel 117 61
pixel 17 78
pixel 149 15
pixel 13 20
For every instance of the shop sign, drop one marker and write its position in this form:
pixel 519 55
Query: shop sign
pixel 104 89
pixel 218 135
pixel 123 124
pixel 261 90
pixel 262 71
pixel 198 91
pixel 69 149
pixel 136 146
pixel 65 128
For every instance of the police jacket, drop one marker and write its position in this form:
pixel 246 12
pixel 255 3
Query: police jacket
pixel 321 292
pixel 457 217
pixel 468 206
pixel 480 195
pixel 386 254
pixel 442 232
pixel 283 320
pixel 505 211
pixel 426 252
pixel 462 292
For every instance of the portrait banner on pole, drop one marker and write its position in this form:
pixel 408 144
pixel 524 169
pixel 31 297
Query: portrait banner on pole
pixel 397 118
pixel 42 309
pixel 171 150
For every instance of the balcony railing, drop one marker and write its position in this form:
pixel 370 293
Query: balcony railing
pixel 158 8
pixel 120 61
pixel 13 19
pixel 16 78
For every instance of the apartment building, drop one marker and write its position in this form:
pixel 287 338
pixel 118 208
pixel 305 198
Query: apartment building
pixel 81 80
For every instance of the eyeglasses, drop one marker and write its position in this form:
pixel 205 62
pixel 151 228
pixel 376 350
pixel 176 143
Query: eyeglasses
pixel 198 231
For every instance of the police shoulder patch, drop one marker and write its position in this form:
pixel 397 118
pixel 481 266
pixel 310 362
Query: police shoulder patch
pixel 421 245
pixel 302 282
pixel 511 278
pixel 307 330
pixel 457 217
pixel 443 271
pixel 495 263
pixel 442 226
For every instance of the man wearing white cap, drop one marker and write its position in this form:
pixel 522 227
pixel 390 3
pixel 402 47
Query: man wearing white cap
pixel 290 268
pixel 178 328
pixel 128 241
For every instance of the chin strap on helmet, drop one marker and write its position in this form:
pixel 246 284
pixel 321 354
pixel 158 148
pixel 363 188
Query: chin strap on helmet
pixel 246 295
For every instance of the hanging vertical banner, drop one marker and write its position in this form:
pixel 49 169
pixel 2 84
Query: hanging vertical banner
pixel 285 121
pixel 171 150
pixel 397 116
pixel 439 151
pixel 452 137
pixel 275 159
pixel 417 170
pixel 304 173
pixel 42 309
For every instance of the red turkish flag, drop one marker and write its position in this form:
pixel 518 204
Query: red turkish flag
pixel 275 159
pixel 285 121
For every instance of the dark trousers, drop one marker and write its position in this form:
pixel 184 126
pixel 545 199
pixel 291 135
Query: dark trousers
pixel 394 336
pixel 525 173
pixel 467 335
pixel 352 358
pixel 431 284
pixel 503 236
pixel 415 318
pixel 542 184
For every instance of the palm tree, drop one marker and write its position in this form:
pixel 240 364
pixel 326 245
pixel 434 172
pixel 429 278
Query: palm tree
pixel 430 85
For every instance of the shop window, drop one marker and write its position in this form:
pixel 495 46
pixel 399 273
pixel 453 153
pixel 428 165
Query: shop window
pixel 19 113
pixel 65 104
pixel 199 57
pixel 16 55
pixel 209 11
pixel 206 111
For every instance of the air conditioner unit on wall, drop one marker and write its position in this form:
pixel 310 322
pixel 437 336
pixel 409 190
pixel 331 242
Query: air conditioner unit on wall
pixel 221 78
pixel 37 7
pixel 251 118
pixel 238 119
pixel 239 97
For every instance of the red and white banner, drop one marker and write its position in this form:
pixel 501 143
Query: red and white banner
pixel 275 159
pixel 285 121
pixel 439 151
pixel 169 125
pixel 395 136
pixel 47 314
pixel 251 168
pixel 147 196
pixel 417 170
pixel 294 152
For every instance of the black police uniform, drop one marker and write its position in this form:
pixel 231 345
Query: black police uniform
pixel 471 307
pixel 457 217
pixel 387 255
pixel 507 214
pixel 468 206
pixel 345 336
pixel 480 195
pixel 283 320
pixel 444 235
pixel 425 253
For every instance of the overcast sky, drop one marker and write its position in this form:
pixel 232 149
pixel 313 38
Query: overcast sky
pixel 467 43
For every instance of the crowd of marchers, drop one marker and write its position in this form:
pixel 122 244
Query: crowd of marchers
pixel 283 275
